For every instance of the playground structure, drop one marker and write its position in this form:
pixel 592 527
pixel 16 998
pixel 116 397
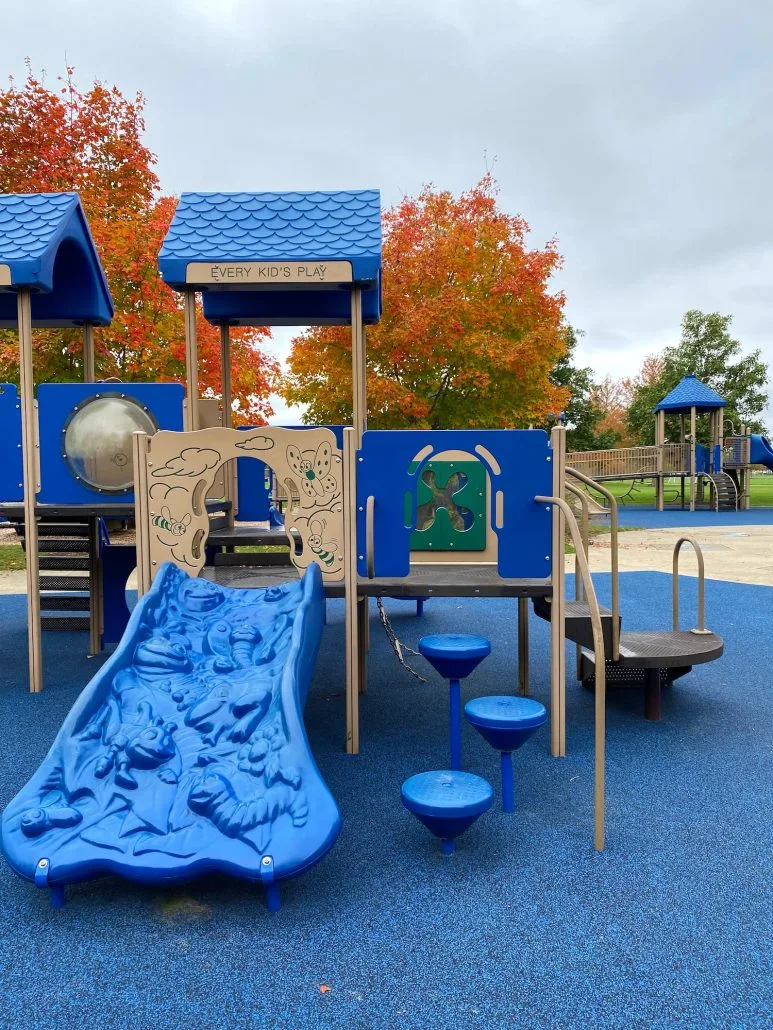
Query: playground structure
pixel 363 519
pixel 723 466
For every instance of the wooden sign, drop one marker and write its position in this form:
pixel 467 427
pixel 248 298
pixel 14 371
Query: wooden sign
pixel 5 275
pixel 268 273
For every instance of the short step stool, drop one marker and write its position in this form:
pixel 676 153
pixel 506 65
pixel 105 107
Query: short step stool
pixel 506 723
pixel 447 801
pixel 454 656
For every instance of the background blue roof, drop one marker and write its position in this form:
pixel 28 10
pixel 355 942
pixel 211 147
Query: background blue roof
pixel 320 226
pixel 690 392
pixel 46 243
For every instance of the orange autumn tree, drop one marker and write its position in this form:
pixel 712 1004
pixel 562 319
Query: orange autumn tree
pixel 470 331
pixel 61 139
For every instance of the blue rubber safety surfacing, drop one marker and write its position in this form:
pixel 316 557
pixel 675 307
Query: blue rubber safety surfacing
pixel 186 754
pixel 527 927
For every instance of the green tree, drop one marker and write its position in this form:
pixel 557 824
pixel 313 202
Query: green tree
pixel 581 414
pixel 708 351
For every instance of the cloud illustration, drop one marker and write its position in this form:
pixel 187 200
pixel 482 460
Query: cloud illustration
pixel 256 443
pixel 193 461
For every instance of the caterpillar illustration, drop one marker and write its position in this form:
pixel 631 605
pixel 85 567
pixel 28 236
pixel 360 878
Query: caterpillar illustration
pixel 214 798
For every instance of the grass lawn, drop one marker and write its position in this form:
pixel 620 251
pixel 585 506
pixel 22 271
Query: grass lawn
pixel 11 558
pixel 642 492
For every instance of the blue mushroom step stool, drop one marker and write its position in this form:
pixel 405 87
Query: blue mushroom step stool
pixel 454 656
pixel 447 801
pixel 506 723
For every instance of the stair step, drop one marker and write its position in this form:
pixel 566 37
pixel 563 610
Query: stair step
pixel 64 603
pixel 578 626
pixel 78 546
pixel 65 583
pixel 261 559
pixel 64 562
pixel 63 529
pixel 64 623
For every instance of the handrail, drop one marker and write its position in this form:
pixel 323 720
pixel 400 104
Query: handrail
pixel 613 553
pixel 369 512
pixel 579 592
pixel 701 628
pixel 598 652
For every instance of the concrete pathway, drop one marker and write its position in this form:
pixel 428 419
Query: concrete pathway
pixel 735 554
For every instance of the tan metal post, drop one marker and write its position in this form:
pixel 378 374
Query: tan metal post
pixel 693 481
pixel 191 361
pixel 523 646
pixel 225 374
pixel 95 589
pixel 229 472
pixel 30 466
pixel 557 625
pixel 660 440
pixel 359 389
pixel 353 639
pixel 140 454
pixel 88 353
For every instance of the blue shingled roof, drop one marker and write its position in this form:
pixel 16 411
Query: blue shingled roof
pixel 46 247
pixel 689 393
pixel 344 225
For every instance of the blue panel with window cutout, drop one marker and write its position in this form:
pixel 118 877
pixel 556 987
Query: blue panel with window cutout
pixel 519 464
pixel 103 462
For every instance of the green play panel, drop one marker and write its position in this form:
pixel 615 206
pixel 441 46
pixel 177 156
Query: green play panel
pixel 451 507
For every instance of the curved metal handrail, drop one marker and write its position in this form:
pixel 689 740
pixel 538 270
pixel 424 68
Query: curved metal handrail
pixel 700 628
pixel 369 535
pixel 579 591
pixel 613 549
pixel 598 652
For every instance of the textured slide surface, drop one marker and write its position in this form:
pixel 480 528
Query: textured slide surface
pixel 186 754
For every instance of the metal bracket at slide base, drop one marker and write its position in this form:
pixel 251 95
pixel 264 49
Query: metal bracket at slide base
pixel 42 872
pixel 273 900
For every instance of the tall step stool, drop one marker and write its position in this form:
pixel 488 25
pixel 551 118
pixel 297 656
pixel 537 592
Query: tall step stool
pixel 447 802
pixel 454 656
pixel 506 723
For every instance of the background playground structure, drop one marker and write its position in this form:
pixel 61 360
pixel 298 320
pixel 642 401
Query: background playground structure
pixel 721 465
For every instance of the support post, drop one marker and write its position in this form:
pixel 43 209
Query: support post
pixel 557 625
pixel 660 440
pixel 95 588
pixel 455 713
pixel 30 466
pixel 140 452
pixel 191 362
pixel 693 455
pixel 359 390
pixel 350 593
pixel 89 370
pixel 229 471
pixel 523 646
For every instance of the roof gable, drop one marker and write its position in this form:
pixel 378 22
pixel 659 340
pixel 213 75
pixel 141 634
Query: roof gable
pixel 46 247
pixel 689 393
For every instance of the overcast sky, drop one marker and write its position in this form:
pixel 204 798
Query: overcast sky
pixel 638 132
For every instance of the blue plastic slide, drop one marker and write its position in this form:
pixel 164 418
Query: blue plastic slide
pixel 761 453
pixel 186 754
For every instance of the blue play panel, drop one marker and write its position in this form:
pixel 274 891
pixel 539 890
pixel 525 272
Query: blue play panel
pixel 186 754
